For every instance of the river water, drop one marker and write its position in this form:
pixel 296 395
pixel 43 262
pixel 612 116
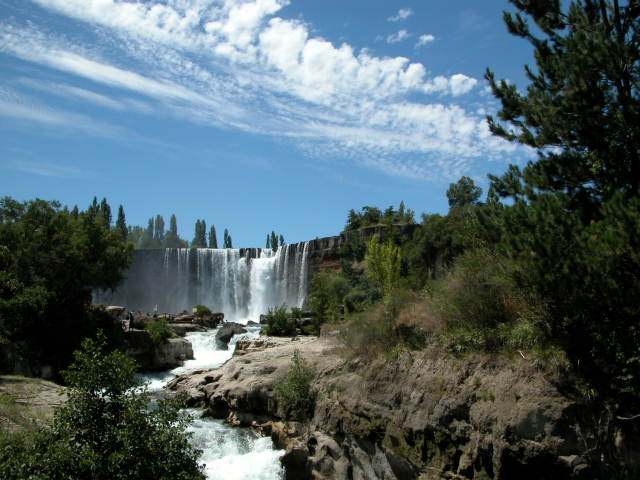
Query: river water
pixel 229 453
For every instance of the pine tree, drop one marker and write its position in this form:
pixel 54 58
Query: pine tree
pixel 200 237
pixel 213 237
pixel 105 213
pixel 93 209
pixel 158 233
pixel 281 241
pixel 268 244
pixel 121 224
pixel 463 193
pixel 173 225
pixel 575 210
pixel 274 239
pixel 147 236
pixel 227 240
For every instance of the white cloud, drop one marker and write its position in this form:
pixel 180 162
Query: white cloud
pixel 425 39
pixel 234 63
pixel 48 169
pixel 402 14
pixel 399 36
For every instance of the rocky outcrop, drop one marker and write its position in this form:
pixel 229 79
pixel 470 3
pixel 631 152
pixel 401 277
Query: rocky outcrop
pixel 138 345
pixel 228 330
pixel 425 415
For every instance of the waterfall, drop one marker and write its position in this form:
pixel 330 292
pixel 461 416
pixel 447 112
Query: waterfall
pixel 241 283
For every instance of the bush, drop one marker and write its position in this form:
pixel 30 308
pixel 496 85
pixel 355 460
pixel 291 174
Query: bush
pixel 160 331
pixel 106 429
pixel 296 399
pixel 279 323
pixel 203 311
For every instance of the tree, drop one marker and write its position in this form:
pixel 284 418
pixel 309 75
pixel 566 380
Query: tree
pixel 274 240
pixel 281 239
pixel 268 243
pixel 105 212
pixel 121 224
pixel 106 429
pixel 384 263
pixel 463 193
pixel 200 237
pixel 575 210
pixel 227 243
pixel 171 239
pixel 147 236
pixel 213 238
pixel 50 262
pixel 158 232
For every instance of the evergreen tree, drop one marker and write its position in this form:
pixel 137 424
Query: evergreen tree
pixel 93 209
pixel 227 240
pixel 200 237
pixel 173 225
pixel 463 193
pixel 213 237
pixel 575 212
pixel 105 213
pixel 268 245
pixel 158 232
pixel 274 239
pixel 147 236
pixel 121 224
pixel 281 241
pixel 75 212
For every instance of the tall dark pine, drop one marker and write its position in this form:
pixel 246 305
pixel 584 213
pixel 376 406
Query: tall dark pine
pixel 158 234
pixel 281 241
pixel 199 239
pixel 121 224
pixel 463 193
pixel 575 211
pixel 227 243
pixel 105 212
pixel 268 244
pixel 213 238
pixel 274 239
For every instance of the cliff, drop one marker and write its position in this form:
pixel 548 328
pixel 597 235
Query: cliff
pixel 423 415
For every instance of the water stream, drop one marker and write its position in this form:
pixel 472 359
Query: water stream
pixel 229 453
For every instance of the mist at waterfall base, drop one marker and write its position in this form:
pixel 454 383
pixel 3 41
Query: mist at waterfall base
pixel 241 283
pixel 229 453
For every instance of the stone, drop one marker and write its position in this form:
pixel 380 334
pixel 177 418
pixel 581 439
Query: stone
pixel 228 330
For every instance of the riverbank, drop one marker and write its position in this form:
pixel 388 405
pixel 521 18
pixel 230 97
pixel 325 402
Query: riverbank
pixel 410 415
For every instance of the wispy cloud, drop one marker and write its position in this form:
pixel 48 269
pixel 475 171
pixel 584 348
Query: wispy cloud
pixel 424 40
pixel 399 36
pixel 236 64
pixel 47 169
pixel 402 14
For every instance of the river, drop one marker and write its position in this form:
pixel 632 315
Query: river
pixel 229 453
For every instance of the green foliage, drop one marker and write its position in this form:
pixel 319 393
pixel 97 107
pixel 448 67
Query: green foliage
pixel 227 242
pixel 463 193
pixel 203 311
pixel 200 237
pixel 383 264
pixel 50 262
pixel 279 322
pixel 326 297
pixel 106 429
pixel 159 330
pixel 296 398
pixel 369 216
pixel 574 221
pixel 121 224
pixel 213 238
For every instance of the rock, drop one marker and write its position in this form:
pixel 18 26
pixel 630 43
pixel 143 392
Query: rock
pixel 115 310
pixel 251 323
pixel 181 329
pixel 422 414
pixel 228 330
pixel 138 345
pixel 210 321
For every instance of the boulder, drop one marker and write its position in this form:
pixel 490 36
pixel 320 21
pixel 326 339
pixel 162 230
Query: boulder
pixel 228 330
pixel 181 329
pixel 138 345
pixel 210 321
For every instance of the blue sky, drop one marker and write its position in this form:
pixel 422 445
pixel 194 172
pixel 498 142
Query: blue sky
pixel 255 115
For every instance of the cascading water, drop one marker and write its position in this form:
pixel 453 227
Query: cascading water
pixel 228 453
pixel 241 283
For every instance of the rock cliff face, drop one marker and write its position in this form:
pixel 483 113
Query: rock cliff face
pixel 139 346
pixel 416 415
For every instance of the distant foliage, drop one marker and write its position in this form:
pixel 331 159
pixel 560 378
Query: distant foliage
pixel 159 330
pixel 463 193
pixel 203 311
pixel 296 398
pixel 106 429
pixel 280 322
pixel 383 264
pixel 369 216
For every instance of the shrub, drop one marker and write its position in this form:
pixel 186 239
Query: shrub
pixel 159 330
pixel 296 398
pixel 279 322
pixel 203 311
pixel 106 429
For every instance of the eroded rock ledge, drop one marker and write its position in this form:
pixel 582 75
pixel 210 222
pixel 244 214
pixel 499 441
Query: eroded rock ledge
pixel 418 415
